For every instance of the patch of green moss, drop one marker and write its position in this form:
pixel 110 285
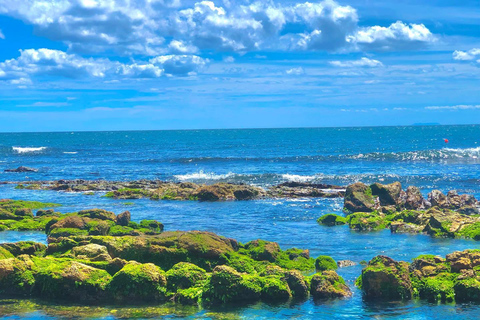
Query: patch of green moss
pixel 67 232
pixel 323 263
pixel 184 275
pixel 331 220
pixel 470 231
pixel 5 254
pixel 367 221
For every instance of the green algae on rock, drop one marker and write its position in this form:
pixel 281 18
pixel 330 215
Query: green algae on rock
pixel 429 277
pixel 186 267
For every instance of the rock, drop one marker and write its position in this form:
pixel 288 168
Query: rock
pixel 367 221
pixel 71 280
pixel 123 219
pixel 296 283
pixel 15 277
pixel 263 250
pixel 438 199
pixel 138 282
pixel 184 275
pixel 97 214
pixel 69 222
pixel 468 210
pixel 24 247
pixel 329 285
pixel 49 212
pixel 227 285
pixel 359 198
pixel 345 263
pixel 331 220
pixel 24 212
pixel 305 190
pixel 386 279
pixel 388 194
pixel 90 251
pixel 22 169
pixel 323 263
pixel 414 199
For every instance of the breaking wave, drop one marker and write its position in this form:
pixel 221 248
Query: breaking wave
pixel 423 155
pixel 28 149
pixel 201 175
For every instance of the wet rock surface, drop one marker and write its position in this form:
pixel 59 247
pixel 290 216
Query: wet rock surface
pixel 162 190
pixel 453 278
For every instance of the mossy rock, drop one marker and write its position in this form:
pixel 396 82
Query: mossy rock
pixel 437 288
pixel 89 251
pixel 323 263
pixel 98 227
pixel 24 247
pixel 121 231
pixel 152 225
pixel 367 221
pixel 190 296
pixel 297 284
pixel 467 290
pixel 227 285
pixel 275 289
pixel 184 275
pixel 67 232
pixel 138 283
pixel 331 220
pixel 5 254
pixel 70 280
pixel 97 214
pixel 386 279
pixel 358 198
pixel 328 285
pixel 16 276
pixel 263 250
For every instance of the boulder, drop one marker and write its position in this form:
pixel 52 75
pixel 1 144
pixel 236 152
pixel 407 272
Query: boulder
pixel 227 285
pixel 331 219
pixel 323 263
pixel 328 285
pixel 138 282
pixel 388 194
pixel 414 199
pixel 24 247
pixel 386 279
pixel 184 275
pixel 438 199
pixel 345 263
pixel 123 219
pixel 22 169
pixel 97 214
pixel 90 251
pixel 359 198
pixel 297 284
pixel 263 250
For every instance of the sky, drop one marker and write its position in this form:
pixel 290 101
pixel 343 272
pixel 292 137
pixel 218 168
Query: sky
pixel 68 65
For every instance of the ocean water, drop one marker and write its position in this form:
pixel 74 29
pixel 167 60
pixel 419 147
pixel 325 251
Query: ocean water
pixel 413 155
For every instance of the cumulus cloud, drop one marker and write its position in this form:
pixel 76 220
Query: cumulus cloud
pixel 46 62
pixel 398 36
pixel 363 62
pixel 2 36
pixel 157 27
pixel 470 55
pixel 454 108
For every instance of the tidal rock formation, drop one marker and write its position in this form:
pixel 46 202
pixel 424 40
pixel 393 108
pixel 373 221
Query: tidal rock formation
pixel 359 198
pixel 22 169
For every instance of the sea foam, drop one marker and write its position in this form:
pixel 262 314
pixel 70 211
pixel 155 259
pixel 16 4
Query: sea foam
pixel 201 175
pixel 28 149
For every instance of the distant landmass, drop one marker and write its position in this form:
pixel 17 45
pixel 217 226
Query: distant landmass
pixel 426 124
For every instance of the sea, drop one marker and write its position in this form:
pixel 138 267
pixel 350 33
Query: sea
pixel 413 155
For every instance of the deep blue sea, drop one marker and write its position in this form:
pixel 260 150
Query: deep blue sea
pixel 412 155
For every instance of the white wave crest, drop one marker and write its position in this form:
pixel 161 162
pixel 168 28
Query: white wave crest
pixel 467 152
pixel 201 175
pixel 28 149
pixel 297 178
pixel 68 152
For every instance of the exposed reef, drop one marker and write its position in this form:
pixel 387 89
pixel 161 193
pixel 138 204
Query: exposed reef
pixel 94 256
pixel 161 190
pixel 453 278
pixel 378 206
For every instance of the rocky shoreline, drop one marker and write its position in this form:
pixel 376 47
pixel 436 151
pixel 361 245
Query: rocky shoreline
pixel 164 190
pixel 378 206
pixel 87 260
pixel 95 256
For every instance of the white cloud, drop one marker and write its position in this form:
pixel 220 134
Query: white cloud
pixel 2 36
pixel 229 59
pixel 363 62
pixel 156 27
pixel 454 108
pixel 295 71
pixel 398 36
pixel 46 62
pixel 470 55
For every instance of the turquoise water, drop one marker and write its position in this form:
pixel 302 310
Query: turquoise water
pixel 413 155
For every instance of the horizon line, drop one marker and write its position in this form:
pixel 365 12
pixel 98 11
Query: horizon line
pixel 252 128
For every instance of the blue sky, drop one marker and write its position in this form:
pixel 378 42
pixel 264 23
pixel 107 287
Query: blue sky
pixel 70 65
